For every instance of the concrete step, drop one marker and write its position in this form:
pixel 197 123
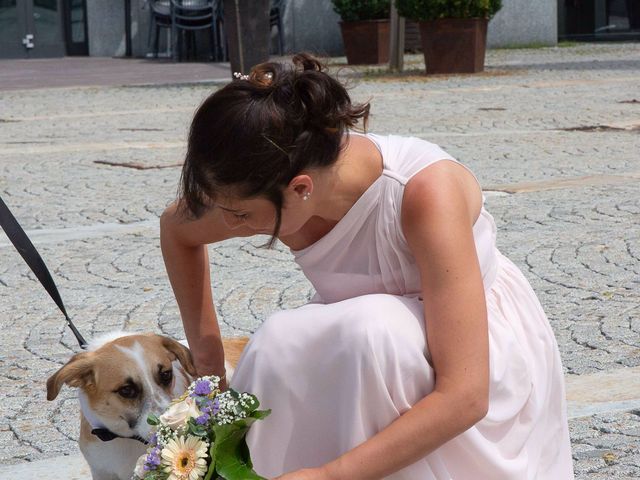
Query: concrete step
pixel 70 467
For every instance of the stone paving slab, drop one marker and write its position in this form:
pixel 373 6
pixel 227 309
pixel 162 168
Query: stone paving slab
pixel 616 390
pixel 103 71
pixel 572 230
pixel 68 467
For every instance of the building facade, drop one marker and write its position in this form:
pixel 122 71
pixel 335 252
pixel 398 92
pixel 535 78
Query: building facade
pixel 49 28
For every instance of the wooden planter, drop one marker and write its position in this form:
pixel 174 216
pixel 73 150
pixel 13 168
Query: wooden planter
pixel 454 45
pixel 366 41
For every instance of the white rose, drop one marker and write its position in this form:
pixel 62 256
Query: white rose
pixel 139 470
pixel 179 413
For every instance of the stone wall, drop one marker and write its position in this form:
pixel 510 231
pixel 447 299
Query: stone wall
pixel 524 22
pixel 106 28
pixel 312 25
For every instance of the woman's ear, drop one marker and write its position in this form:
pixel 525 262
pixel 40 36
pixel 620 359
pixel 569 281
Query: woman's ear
pixel 302 186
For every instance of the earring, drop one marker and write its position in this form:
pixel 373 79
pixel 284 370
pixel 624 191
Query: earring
pixel 306 196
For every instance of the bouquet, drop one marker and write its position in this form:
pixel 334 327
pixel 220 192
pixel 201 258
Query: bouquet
pixel 202 436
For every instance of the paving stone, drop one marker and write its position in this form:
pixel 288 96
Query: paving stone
pixel 65 171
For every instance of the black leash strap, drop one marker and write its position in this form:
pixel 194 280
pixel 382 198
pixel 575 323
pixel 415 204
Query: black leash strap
pixel 19 238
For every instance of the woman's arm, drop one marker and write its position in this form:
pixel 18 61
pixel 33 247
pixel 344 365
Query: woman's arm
pixel 439 208
pixel 184 249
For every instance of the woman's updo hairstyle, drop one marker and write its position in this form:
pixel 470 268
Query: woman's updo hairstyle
pixel 254 135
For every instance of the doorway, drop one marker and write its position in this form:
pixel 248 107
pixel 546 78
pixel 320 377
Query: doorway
pixel 75 27
pixel 43 28
pixel 599 19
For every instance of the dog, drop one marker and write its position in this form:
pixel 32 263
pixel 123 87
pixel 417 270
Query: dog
pixel 122 378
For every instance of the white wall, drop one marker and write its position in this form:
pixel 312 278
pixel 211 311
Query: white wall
pixel 524 22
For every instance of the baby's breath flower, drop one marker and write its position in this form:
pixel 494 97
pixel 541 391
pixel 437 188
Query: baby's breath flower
pixel 164 434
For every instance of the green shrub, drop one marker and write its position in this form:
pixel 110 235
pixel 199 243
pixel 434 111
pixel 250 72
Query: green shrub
pixel 434 9
pixel 354 10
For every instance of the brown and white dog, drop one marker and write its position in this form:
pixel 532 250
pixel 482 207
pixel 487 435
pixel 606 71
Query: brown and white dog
pixel 122 378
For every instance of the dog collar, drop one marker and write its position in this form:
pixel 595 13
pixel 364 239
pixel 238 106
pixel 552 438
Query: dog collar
pixel 107 435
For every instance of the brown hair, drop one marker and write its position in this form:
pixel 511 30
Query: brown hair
pixel 255 135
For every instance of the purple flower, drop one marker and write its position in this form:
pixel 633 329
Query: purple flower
pixel 202 419
pixel 202 387
pixel 153 459
pixel 216 406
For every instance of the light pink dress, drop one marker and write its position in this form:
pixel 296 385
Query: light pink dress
pixel 338 370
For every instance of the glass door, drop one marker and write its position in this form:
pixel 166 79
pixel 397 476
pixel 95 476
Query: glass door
pixel 13 17
pixel 31 29
pixel 599 19
pixel 45 23
pixel 75 23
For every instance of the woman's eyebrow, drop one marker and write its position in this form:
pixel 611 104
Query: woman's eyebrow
pixel 229 209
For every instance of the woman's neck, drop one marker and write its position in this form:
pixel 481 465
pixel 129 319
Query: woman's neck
pixel 338 188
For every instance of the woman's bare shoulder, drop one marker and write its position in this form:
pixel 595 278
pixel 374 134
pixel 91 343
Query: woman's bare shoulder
pixel 437 187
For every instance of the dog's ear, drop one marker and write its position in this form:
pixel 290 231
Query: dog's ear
pixel 182 353
pixel 78 372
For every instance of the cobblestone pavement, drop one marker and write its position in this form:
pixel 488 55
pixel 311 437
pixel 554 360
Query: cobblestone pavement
pixel 553 134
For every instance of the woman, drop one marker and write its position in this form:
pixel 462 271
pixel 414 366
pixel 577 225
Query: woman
pixel 425 354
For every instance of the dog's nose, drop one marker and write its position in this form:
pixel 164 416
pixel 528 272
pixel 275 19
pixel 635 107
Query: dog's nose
pixel 132 422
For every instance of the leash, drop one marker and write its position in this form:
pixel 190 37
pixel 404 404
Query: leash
pixel 21 241
pixel 25 248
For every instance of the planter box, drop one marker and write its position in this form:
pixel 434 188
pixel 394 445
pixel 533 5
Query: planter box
pixel 366 41
pixel 454 45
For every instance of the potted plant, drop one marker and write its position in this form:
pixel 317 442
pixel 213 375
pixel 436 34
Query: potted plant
pixel 365 30
pixel 453 32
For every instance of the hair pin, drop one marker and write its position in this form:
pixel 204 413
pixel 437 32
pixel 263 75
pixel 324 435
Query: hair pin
pixel 240 76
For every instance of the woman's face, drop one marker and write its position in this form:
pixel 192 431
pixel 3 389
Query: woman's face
pixel 259 214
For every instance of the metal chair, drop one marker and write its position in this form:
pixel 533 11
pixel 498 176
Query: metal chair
pixel 160 17
pixel 189 16
pixel 275 20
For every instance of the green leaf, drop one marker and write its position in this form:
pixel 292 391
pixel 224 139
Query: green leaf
pixel 153 419
pixel 434 9
pixel 354 10
pixel 231 451
pixel 260 414
pixel 197 430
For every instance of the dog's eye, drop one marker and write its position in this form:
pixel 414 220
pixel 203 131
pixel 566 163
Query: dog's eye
pixel 128 391
pixel 166 377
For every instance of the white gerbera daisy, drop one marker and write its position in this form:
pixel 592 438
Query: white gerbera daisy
pixel 184 458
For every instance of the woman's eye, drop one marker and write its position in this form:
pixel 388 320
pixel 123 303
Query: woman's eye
pixel 128 391
pixel 240 216
pixel 166 377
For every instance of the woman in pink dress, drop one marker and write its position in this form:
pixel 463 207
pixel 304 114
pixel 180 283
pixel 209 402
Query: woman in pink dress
pixel 424 354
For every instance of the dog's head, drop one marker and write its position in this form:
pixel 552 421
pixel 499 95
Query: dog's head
pixel 126 378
